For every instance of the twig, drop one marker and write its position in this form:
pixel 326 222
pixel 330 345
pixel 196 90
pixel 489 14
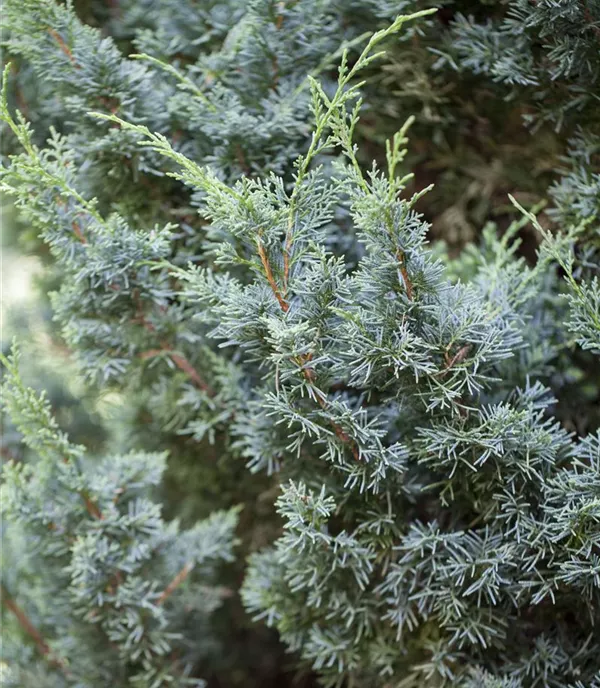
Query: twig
pixel 450 362
pixel 175 583
pixel 309 374
pixel 91 506
pixel 78 232
pixel 64 47
pixel 269 273
pixel 407 283
pixel 183 364
pixel 458 357
pixel 241 158
pixel 275 65
pixel 28 627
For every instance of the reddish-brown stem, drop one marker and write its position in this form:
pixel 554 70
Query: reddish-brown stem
pixel 451 361
pixel 92 507
pixel 27 626
pixel 183 364
pixel 274 60
pixel 111 104
pixel 308 373
pixel 407 283
pixel 175 583
pixel 78 232
pixel 151 353
pixel 271 279
pixel 279 17
pixel 64 47
pixel 343 436
pixel 459 356
pixel 74 225
pixel 309 376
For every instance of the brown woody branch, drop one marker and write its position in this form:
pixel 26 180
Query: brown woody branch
pixel 309 373
pixel 78 232
pixel 74 225
pixel 407 283
pixel 28 627
pixel 287 253
pixel 92 507
pixel 241 158
pixel 460 356
pixel 270 278
pixel 274 60
pixel 175 583
pixel 64 47
pixel 183 364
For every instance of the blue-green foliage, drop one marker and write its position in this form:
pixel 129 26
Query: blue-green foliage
pixel 421 531
pixel 440 524
pixel 122 597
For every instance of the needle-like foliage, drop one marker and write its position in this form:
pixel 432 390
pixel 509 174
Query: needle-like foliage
pixel 119 596
pixel 402 408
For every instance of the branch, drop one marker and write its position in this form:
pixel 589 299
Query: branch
pixel 78 232
pixel 271 279
pixel 183 364
pixel 309 374
pixel 458 357
pixel 407 283
pixel 28 627
pixel 287 252
pixel 91 506
pixel 241 158
pixel 175 583
pixel 64 47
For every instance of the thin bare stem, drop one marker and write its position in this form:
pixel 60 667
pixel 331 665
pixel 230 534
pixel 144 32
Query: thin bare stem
pixel 175 583
pixel 270 277
pixel 28 627
pixel 64 47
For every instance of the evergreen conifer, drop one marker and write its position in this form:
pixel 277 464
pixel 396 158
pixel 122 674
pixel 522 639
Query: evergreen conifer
pixel 409 412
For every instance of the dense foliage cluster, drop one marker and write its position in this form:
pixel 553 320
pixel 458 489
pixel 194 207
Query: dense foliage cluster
pixel 410 428
pixel 112 567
